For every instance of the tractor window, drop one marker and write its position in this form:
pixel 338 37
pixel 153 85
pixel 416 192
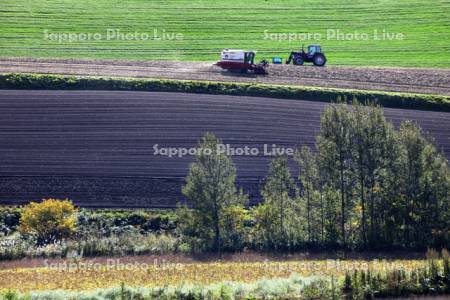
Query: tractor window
pixel 249 57
pixel 313 49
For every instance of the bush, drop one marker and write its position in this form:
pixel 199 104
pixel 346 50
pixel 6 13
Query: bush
pixel 234 222
pixel 105 222
pixel 128 242
pixel 14 247
pixel 430 279
pixel 50 220
pixel 9 219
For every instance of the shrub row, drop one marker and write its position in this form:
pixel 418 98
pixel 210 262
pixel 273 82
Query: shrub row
pixel 154 221
pixel 147 221
pixel 387 99
pixel 51 229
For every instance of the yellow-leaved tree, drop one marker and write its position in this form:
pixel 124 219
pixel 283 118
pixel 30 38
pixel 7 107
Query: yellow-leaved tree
pixel 50 220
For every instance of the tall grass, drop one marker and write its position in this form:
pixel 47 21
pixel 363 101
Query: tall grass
pixel 16 246
pixel 433 279
pixel 290 288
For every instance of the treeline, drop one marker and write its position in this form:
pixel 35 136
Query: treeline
pixel 365 185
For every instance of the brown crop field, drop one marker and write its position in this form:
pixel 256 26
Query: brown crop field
pixel 96 147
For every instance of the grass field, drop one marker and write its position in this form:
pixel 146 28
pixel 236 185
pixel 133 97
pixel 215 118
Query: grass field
pixel 87 275
pixel 39 29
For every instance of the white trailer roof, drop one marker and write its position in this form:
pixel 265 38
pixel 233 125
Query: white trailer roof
pixel 233 55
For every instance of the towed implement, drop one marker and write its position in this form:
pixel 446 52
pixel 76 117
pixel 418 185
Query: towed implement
pixel 241 61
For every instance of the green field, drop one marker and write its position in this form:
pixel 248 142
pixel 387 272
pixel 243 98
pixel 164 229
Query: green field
pixel 37 29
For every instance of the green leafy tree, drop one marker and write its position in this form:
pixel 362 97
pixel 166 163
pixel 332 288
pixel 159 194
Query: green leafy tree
pixel 335 155
pixel 425 188
pixel 210 189
pixel 234 225
pixel 310 179
pixel 277 216
pixel 374 154
pixel 365 185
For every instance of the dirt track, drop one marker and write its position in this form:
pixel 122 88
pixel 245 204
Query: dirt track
pixel 96 147
pixel 431 81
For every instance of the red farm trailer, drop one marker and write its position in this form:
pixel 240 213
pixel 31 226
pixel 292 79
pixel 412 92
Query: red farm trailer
pixel 241 61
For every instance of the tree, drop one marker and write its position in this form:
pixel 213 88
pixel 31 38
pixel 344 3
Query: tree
pixel 309 178
pixel 233 223
pixel 374 152
pixel 412 145
pixel 50 220
pixel 435 197
pixel 210 189
pixel 365 185
pixel 335 155
pixel 361 140
pixel 277 216
pixel 425 187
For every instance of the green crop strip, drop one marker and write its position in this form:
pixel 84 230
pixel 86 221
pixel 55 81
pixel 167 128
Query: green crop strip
pixel 387 99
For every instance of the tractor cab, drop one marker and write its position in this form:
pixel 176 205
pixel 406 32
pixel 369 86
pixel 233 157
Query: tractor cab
pixel 249 57
pixel 313 49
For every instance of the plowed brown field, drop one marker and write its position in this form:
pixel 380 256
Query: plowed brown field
pixel 96 147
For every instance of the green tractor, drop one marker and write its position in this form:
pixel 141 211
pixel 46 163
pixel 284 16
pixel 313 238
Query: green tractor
pixel 314 55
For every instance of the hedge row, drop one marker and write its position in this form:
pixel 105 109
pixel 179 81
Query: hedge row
pixel 149 221
pixel 386 99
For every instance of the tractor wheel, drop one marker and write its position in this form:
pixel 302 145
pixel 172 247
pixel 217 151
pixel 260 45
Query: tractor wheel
pixel 298 61
pixel 260 70
pixel 319 60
